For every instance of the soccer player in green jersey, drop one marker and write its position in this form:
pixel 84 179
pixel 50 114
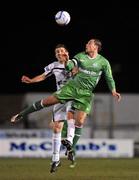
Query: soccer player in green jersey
pixel 80 90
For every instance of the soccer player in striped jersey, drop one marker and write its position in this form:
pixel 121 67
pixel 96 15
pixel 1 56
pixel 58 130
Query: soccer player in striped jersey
pixel 60 111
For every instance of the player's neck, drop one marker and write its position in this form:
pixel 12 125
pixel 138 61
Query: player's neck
pixel 93 55
pixel 61 62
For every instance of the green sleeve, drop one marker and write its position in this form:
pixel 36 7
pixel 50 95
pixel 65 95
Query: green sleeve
pixel 70 65
pixel 108 76
pixel 74 62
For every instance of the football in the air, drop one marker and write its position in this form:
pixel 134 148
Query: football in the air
pixel 62 18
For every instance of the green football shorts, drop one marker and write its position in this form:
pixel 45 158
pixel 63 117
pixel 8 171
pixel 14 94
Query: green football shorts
pixel 82 98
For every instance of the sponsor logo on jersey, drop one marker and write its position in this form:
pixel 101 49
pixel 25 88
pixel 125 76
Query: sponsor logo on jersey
pixel 95 65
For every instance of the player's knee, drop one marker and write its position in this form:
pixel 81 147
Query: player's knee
pixel 79 123
pixel 56 130
pixel 57 127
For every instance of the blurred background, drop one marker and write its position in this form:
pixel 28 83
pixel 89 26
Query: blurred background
pixel 29 35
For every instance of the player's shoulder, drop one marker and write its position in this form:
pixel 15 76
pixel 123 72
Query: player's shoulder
pixel 51 65
pixel 58 65
pixel 80 54
pixel 103 58
pixel 55 63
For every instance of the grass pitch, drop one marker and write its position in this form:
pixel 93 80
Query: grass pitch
pixel 86 169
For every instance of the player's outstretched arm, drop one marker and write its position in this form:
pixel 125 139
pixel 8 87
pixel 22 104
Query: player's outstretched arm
pixel 39 78
pixel 25 79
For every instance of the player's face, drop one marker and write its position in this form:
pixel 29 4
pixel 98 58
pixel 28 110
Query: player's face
pixel 90 46
pixel 61 54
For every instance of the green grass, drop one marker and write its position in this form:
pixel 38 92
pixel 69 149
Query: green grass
pixel 86 169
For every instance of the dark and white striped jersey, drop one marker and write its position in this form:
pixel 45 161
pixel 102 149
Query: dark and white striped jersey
pixel 58 70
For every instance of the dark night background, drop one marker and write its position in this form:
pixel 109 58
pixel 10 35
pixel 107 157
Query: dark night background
pixel 29 35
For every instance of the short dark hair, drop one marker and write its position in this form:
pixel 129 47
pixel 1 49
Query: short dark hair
pixel 61 46
pixel 98 43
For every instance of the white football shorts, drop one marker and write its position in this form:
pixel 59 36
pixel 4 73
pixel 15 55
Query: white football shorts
pixel 60 111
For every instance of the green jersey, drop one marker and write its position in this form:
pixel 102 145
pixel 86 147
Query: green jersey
pixel 80 88
pixel 90 70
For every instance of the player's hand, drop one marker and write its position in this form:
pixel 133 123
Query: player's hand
pixel 25 79
pixel 66 56
pixel 117 95
pixel 74 71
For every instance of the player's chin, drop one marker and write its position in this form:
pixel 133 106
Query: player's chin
pixel 63 57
